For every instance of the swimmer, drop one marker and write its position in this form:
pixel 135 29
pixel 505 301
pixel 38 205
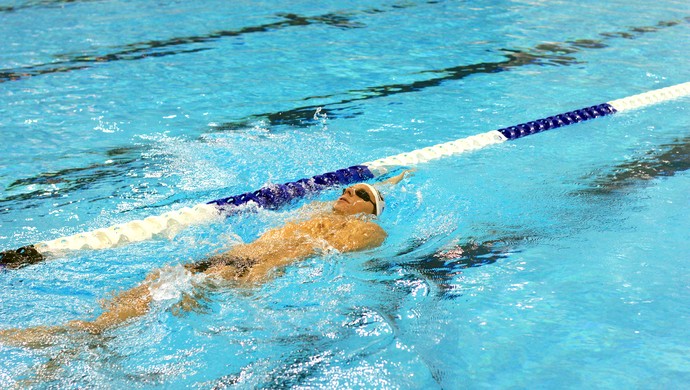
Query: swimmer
pixel 348 226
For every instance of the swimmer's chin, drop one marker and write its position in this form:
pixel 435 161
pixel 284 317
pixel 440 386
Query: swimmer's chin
pixel 338 207
pixel 349 213
pixel 344 211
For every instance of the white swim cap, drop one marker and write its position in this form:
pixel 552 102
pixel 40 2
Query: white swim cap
pixel 379 202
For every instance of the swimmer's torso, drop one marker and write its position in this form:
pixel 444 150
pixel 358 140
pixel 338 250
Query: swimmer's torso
pixel 296 241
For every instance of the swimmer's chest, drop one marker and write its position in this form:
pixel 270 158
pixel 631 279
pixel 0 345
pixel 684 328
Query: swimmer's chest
pixel 319 228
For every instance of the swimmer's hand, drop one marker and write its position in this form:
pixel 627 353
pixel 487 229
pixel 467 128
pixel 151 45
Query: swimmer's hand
pixel 398 178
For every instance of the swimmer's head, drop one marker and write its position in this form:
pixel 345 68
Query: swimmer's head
pixel 360 198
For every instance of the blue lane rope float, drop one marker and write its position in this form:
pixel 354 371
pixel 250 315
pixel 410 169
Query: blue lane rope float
pixel 552 122
pixel 276 195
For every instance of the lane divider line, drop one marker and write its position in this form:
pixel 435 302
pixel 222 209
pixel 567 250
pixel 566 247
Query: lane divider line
pixel 276 195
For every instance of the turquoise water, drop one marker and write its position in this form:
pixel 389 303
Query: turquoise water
pixel 574 264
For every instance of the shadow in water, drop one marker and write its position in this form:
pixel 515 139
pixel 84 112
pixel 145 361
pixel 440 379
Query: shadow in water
pixel 441 267
pixel 664 161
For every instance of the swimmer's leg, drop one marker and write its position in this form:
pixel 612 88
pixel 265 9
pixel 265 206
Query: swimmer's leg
pixel 126 305
pixel 136 302
pixel 36 337
pixel 129 304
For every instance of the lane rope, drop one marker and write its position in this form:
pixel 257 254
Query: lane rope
pixel 276 195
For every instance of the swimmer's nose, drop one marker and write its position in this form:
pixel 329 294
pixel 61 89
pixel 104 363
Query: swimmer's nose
pixel 348 192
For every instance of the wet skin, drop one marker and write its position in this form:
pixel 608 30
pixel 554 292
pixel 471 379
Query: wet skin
pixel 346 228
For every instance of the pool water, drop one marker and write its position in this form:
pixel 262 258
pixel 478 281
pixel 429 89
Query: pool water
pixel 558 260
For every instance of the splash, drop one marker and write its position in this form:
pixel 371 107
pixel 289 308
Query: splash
pixel 321 117
pixel 172 282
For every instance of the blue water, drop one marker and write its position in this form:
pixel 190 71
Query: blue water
pixel 575 266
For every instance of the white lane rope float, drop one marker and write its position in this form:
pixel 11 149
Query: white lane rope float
pixel 276 195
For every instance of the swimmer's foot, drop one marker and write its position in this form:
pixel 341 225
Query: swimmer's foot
pixel 17 258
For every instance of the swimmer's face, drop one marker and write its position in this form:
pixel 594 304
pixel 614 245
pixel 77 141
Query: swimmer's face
pixel 355 200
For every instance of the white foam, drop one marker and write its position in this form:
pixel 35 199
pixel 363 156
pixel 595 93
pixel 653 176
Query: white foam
pixel 172 282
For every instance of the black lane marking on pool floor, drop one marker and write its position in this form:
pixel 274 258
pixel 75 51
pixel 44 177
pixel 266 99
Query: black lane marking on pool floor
pixel 42 4
pixel 59 184
pixel 150 49
pixel 66 66
pixel 552 53
pixel 140 50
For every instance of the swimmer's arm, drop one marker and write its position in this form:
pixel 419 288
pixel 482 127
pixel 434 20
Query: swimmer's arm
pixel 398 178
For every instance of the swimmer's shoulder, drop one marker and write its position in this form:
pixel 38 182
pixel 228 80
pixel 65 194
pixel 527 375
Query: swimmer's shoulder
pixel 372 227
pixel 358 234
